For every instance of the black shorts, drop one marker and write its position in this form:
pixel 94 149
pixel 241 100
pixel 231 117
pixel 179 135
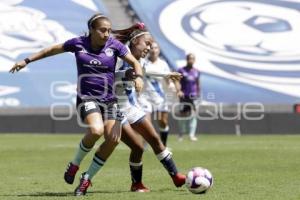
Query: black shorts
pixel 187 104
pixel 108 110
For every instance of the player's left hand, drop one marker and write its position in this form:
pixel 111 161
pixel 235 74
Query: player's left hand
pixel 130 74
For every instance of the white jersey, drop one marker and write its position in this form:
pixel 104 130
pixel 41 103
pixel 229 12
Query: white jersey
pixel 126 94
pixel 156 92
pixel 155 86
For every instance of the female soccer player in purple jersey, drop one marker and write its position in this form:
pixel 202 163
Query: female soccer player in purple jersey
pixel 96 56
pixel 190 86
pixel 140 42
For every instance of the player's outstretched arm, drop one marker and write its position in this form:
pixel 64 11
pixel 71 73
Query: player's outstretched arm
pixel 50 51
pixel 168 75
pixel 139 83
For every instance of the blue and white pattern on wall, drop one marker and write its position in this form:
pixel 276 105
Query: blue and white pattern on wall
pixel 27 26
pixel 248 50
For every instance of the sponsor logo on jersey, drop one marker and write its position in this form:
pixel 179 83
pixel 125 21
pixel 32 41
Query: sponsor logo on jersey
pixel 95 62
pixel 109 52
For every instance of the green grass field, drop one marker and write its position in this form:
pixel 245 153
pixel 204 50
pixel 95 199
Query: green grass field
pixel 247 167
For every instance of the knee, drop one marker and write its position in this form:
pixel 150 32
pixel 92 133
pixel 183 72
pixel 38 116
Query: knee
pixel 97 131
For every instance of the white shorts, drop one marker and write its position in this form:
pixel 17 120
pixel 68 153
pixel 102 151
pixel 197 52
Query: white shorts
pixel 150 107
pixel 133 113
pixel 145 105
pixel 163 107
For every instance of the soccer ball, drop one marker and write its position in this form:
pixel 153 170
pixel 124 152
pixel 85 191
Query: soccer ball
pixel 199 180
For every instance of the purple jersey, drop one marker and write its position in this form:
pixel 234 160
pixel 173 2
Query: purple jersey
pixel 95 69
pixel 189 82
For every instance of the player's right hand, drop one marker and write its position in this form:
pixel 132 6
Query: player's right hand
pixel 139 84
pixel 18 66
pixel 175 76
pixel 180 94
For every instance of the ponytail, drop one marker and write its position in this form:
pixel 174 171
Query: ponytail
pixel 125 35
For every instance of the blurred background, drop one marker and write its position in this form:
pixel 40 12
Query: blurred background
pixel 248 52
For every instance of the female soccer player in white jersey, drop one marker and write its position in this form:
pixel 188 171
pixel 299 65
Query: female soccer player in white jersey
pixel 139 45
pixel 157 94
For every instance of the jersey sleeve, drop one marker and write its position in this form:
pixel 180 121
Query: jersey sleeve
pixel 71 45
pixel 121 49
pixel 179 70
pixel 120 71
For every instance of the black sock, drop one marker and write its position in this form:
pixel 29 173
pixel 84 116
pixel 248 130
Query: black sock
pixel 168 163
pixel 164 137
pixel 136 171
pixel 164 132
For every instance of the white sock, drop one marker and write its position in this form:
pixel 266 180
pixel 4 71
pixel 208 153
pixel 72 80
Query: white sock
pixel 82 151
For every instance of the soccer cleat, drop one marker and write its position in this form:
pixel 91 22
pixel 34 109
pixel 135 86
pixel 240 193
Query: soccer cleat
pixel 179 179
pixel 83 186
pixel 139 187
pixel 193 138
pixel 70 173
pixel 180 139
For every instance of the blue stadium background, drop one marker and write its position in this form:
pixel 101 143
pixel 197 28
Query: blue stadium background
pixel 53 80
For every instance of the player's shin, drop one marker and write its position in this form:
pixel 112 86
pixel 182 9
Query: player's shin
pixel 82 151
pixel 95 166
pixel 165 157
pixel 136 171
pixel 164 132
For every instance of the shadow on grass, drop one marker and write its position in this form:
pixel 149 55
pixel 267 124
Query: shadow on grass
pixel 63 194
pixel 67 194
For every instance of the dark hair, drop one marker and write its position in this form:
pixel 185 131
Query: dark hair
pixel 128 34
pixel 91 21
pixel 189 55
